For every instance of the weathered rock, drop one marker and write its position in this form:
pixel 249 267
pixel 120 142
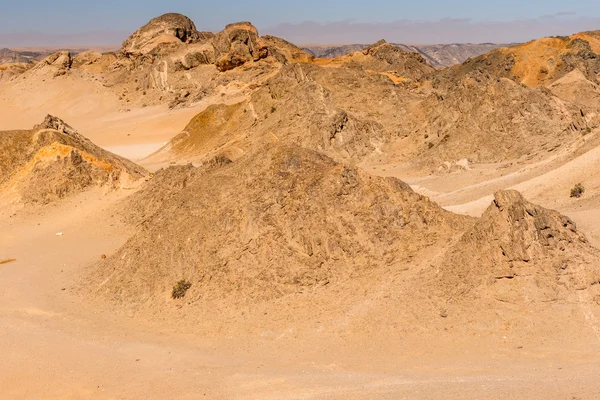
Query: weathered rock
pixel 236 45
pixel 288 218
pixel 57 64
pixel 523 244
pixel 168 28
pixel 53 161
pixel 283 51
pixel 52 122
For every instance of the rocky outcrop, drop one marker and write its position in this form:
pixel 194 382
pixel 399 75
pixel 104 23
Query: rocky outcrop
pixel 391 58
pixel 288 220
pixel 168 28
pixel 284 51
pixel 53 161
pixel 236 45
pixel 56 64
pixel 519 252
pixel 57 124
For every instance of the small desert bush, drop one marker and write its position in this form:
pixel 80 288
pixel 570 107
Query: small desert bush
pixel 577 190
pixel 180 289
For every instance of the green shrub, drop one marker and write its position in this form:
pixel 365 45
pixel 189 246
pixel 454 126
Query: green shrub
pixel 180 289
pixel 577 190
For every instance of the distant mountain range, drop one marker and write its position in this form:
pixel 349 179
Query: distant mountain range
pixel 437 55
pixel 8 56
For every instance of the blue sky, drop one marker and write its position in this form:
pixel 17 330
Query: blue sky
pixel 67 17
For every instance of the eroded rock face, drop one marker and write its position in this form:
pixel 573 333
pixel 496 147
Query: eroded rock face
pixel 236 45
pixel 168 28
pixel 519 252
pixel 58 63
pixel 523 231
pixel 388 57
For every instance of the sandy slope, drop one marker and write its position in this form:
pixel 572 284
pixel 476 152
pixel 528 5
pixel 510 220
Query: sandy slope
pixel 94 110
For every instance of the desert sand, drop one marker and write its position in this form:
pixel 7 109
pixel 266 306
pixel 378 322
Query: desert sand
pixel 337 244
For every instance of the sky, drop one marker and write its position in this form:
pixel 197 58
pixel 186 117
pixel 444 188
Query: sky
pixel 107 22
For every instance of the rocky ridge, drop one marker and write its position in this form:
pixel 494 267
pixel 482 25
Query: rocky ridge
pixel 53 161
pixel 438 56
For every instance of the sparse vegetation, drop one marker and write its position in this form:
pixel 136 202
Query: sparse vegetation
pixel 273 109
pixel 180 289
pixel 577 191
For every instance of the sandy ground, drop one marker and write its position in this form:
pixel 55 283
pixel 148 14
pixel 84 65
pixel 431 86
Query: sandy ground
pixel 94 111
pixel 54 346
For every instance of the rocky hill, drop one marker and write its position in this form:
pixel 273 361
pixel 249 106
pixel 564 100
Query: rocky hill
pixel 520 252
pixel 287 231
pixel 539 62
pixel 366 107
pixel 438 56
pixel 53 160
pixel 282 221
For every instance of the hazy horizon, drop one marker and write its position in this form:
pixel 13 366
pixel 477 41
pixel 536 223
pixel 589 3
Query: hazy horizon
pixel 71 23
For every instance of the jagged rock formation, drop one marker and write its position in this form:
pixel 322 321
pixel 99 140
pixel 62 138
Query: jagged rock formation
pixel 293 107
pixel 519 252
pixel 56 64
pixel 287 220
pixel 283 51
pixel 169 61
pixel 236 45
pixel 168 28
pixel 53 160
pixel 173 37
